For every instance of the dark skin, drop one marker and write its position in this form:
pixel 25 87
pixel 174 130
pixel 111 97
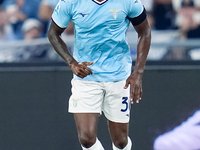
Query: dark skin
pixel 135 79
pixel 86 123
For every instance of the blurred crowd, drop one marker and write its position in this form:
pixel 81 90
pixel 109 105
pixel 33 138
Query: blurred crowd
pixel 29 19
pixel 26 19
pixel 181 15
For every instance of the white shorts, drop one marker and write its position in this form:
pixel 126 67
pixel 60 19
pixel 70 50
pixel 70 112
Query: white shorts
pixel 95 97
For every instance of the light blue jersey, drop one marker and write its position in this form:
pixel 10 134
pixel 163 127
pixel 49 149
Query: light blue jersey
pixel 100 34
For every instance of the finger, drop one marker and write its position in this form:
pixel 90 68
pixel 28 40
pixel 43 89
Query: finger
pixel 89 63
pixel 84 72
pixel 137 94
pixel 126 85
pixel 132 95
pixel 80 76
pixel 81 73
pixel 141 94
pixel 138 97
pixel 88 70
pixel 132 101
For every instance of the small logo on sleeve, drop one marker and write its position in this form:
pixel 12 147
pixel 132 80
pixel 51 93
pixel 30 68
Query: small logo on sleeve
pixel 57 9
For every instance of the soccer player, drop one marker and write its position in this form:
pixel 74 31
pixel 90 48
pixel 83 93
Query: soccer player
pixel 101 64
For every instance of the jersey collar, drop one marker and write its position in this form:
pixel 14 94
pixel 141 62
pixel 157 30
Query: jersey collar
pixel 100 3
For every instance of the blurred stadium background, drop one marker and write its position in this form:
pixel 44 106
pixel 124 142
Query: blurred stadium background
pixel 35 82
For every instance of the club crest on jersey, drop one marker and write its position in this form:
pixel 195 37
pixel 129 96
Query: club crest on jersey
pixel 115 13
pixel 57 9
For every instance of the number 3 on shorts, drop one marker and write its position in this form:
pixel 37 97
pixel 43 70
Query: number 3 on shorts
pixel 125 102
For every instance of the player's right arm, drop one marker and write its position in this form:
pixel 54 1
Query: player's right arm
pixel 60 19
pixel 79 69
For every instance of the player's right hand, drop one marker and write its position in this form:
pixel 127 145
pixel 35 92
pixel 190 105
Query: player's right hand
pixel 81 69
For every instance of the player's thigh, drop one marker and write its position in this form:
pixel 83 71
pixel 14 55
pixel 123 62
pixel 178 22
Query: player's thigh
pixel 116 105
pixel 86 124
pixel 118 131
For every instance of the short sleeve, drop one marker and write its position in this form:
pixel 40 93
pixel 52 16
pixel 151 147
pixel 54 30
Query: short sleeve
pixel 135 8
pixel 62 13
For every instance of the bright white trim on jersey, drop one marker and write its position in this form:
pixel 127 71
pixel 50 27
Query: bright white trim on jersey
pixel 96 1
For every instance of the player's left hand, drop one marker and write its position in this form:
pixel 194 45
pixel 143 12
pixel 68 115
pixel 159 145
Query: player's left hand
pixel 135 81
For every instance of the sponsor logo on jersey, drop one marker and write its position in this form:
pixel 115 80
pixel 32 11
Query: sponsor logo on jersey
pixel 83 15
pixel 115 13
pixel 136 1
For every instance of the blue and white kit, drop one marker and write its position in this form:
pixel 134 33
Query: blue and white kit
pixel 100 34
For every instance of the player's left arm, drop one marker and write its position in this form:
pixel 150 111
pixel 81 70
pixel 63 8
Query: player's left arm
pixel 144 39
